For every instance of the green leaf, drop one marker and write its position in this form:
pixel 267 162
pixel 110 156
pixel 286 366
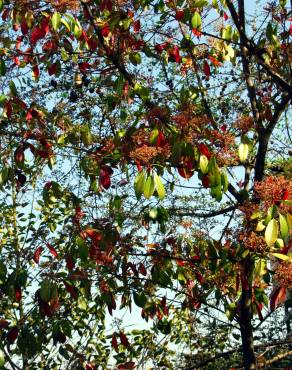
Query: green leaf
pixel 139 184
pixel 284 228
pixel 45 290
pixel 196 21
pixel 135 58
pixel 2 68
pixel 12 87
pixel 271 233
pixel 2 358
pixel 140 299
pixel 224 182
pixel 159 186
pixel 3 99
pixel 200 3
pixel 260 267
pixel 56 21
pixel 149 187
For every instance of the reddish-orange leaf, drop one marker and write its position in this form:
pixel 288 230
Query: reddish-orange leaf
pixel 35 71
pixel 214 61
pixel 203 149
pixel 37 254
pixel 278 296
pixel 52 250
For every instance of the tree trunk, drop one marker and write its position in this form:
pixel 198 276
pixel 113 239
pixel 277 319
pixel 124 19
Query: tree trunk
pixel 245 319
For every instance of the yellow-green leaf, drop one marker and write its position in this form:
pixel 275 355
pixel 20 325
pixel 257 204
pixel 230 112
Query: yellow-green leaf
pixel 149 187
pixel 260 226
pixel 243 152
pixel 271 233
pixel 204 164
pixel 282 257
pixel 56 21
pixel 139 184
pixel 284 229
pixel 196 21
pixel 159 186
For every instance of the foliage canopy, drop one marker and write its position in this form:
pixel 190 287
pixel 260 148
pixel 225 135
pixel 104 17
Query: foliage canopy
pixel 144 163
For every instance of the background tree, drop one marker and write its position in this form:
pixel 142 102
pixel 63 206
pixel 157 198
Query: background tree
pixel 144 161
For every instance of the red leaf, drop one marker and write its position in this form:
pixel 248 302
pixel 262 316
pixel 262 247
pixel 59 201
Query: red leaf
pixel 45 26
pixel 69 263
pixel 94 235
pixel 16 60
pixel 37 254
pixel 106 5
pixel 207 70
pixel 18 294
pixel 35 71
pixel 124 339
pixel 174 53
pixel 206 181
pixel 5 14
pixel 52 69
pixel 92 43
pixel 105 176
pixel 137 26
pixel 127 366
pixel 52 250
pixel 18 42
pixel 83 66
pixel 179 14
pixel 3 323
pixel 105 30
pixel 8 109
pixel 186 169
pixel 160 47
pixel 114 342
pixel 225 16
pixel 203 149
pixel 24 27
pixel 50 46
pixel 36 35
pixel 196 32
pixel 259 307
pixel 161 141
pixel 12 335
pixel 71 290
pixel 199 276
pixel 142 269
pixel 285 194
pixel 278 296
pixel 90 367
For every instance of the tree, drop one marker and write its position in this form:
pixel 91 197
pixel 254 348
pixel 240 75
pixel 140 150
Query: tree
pixel 144 161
